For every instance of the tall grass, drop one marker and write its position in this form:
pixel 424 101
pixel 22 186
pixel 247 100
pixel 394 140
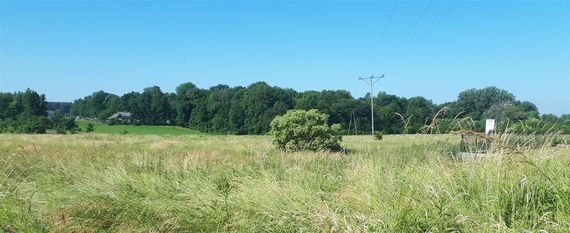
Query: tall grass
pixel 126 183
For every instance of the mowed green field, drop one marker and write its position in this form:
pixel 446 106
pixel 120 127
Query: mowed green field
pixel 104 128
pixel 197 183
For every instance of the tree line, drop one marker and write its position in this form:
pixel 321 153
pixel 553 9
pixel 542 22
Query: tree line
pixel 249 110
pixel 26 112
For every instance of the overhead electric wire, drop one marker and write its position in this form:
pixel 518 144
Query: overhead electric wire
pixel 432 29
pixel 409 33
pixel 381 36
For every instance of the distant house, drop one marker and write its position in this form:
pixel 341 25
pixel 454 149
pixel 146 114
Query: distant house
pixel 120 118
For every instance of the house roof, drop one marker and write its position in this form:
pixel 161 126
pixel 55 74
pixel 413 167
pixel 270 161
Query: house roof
pixel 120 114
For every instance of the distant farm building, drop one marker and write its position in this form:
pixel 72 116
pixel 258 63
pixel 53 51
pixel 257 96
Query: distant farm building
pixel 120 118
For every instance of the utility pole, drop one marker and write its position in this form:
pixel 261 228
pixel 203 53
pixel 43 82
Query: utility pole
pixel 373 79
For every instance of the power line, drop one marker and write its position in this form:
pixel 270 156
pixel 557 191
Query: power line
pixel 409 33
pixel 381 36
pixel 432 29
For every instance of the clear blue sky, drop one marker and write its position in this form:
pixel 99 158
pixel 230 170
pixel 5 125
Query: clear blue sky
pixel 69 49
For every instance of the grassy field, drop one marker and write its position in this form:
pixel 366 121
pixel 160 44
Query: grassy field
pixel 136 130
pixel 216 183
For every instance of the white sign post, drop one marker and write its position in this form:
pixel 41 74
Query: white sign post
pixel 489 125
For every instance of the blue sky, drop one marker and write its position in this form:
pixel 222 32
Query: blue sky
pixel 435 49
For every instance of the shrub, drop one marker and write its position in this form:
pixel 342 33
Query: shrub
pixel 74 130
pixel 4 126
pixel 32 124
pixel 378 135
pixel 299 130
pixel 124 132
pixel 90 128
pixel 59 130
pixel 70 124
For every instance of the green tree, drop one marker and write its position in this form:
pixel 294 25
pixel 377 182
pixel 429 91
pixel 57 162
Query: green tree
pixel 58 122
pixel 95 105
pixel 6 100
pixel 337 104
pixel 258 104
pixel 33 103
pixel 474 102
pixel 155 106
pixel 249 110
pixel 419 110
pixel 31 124
pixel 112 105
pixel 90 127
pixel 200 118
pixel 187 95
pixel 236 113
pixel 550 118
pixel 218 107
pixel 386 107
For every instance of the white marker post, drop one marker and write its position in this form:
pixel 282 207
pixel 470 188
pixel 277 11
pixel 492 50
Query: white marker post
pixel 489 125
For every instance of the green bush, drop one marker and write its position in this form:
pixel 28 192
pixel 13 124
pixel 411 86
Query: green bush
pixel 378 135
pixel 90 128
pixel 59 130
pixel 61 124
pixel 74 130
pixel 4 126
pixel 32 124
pixel 299 130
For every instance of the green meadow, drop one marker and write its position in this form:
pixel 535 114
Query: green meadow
pixel 197 183
pixel 104 128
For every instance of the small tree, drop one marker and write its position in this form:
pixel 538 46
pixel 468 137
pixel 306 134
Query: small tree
pixel 90 128
pixel 305 130
pixel 378 135
pixel 32 124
